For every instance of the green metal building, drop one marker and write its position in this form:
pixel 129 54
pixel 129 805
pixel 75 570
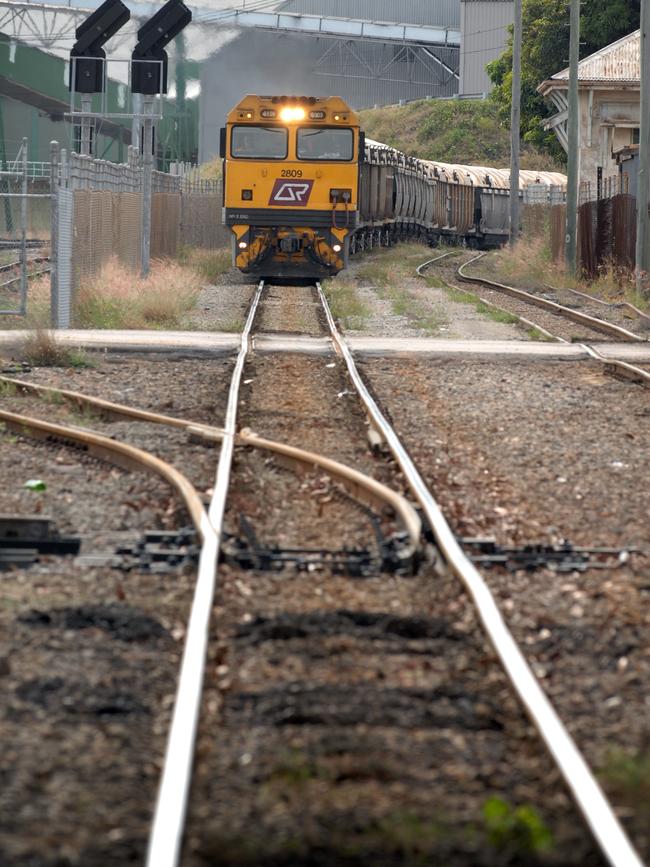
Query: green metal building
pixel 34 99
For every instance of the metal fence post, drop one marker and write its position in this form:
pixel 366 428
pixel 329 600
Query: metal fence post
pixel 54 233
pixel 147 178
pixel 65 227
pixel 23 233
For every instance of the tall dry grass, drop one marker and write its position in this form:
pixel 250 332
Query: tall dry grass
pixel 529 261
pixel 118 298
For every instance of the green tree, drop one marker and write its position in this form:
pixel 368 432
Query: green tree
pixel 545 51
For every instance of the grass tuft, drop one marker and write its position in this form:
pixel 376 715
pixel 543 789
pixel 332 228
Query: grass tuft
pixel 517 831
pixel 496 315
pixel 42 349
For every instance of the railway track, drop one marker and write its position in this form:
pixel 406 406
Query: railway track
pixel 168 824
pixel 552 313
pixel 167 830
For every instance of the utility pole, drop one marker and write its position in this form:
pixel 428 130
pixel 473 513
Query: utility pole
pixel 515 126
pixel 643 189
pixel 573 163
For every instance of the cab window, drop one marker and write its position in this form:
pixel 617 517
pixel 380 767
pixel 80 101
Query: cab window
pixel 325 144
pixel 258 142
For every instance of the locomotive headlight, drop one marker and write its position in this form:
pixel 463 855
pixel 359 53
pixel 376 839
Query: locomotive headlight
pixel 242 245
pixel 292 113
pixel 336 248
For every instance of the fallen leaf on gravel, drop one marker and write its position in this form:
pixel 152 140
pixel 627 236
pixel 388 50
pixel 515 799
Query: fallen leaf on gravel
pixel 244 589
pixel 35 485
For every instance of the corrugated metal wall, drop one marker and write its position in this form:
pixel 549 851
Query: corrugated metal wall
pixel 483 25
pixel 443 12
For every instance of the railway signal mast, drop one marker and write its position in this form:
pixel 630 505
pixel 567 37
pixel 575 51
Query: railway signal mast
pixel 88 61
pixel 149 78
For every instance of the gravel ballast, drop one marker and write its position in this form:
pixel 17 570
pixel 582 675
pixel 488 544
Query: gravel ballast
pixel 89 656
pixel 541 453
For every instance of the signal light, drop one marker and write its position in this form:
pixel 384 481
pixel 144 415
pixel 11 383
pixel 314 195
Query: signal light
pixel 91 35
pixel 242 245
pixel 292 113
pixel 336 248
pixel 149 58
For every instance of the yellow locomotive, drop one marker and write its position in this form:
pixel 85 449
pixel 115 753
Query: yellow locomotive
pixel 291 180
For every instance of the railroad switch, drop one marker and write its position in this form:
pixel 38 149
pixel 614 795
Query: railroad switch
pixel 247 552
pixel 559 558
pixel 159 552
pixel 23 538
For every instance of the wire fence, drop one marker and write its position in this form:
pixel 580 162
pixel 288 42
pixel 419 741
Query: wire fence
pixel 100 213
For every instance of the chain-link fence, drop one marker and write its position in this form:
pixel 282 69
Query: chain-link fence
pixel 100 213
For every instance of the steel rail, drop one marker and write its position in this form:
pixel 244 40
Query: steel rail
pixel 426 264
pixel 626 370
pixel 611 304
pixel 359 486
pixel 168 823
pixel 36 260
pixel 581 318
pixel 521 319
pixel 588 795
pixel 613 365
pixel 119 453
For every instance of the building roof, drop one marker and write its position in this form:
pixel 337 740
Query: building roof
pixel 618 63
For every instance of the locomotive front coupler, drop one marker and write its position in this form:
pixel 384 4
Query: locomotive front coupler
pixel 290 243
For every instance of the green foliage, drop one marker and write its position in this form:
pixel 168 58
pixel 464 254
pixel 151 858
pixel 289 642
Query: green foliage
pixel 515 830
pixel 473 132
pixel 345 304
pixel 209 264
pixel 496 315
pixel 545 49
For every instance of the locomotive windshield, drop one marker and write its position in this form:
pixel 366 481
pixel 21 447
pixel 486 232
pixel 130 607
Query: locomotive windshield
pixel 325 144
pixel 259 142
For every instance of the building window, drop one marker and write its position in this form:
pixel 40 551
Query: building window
pixel 635 135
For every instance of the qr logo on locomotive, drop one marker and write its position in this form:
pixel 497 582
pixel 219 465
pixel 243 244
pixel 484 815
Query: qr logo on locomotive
pixel 294 193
